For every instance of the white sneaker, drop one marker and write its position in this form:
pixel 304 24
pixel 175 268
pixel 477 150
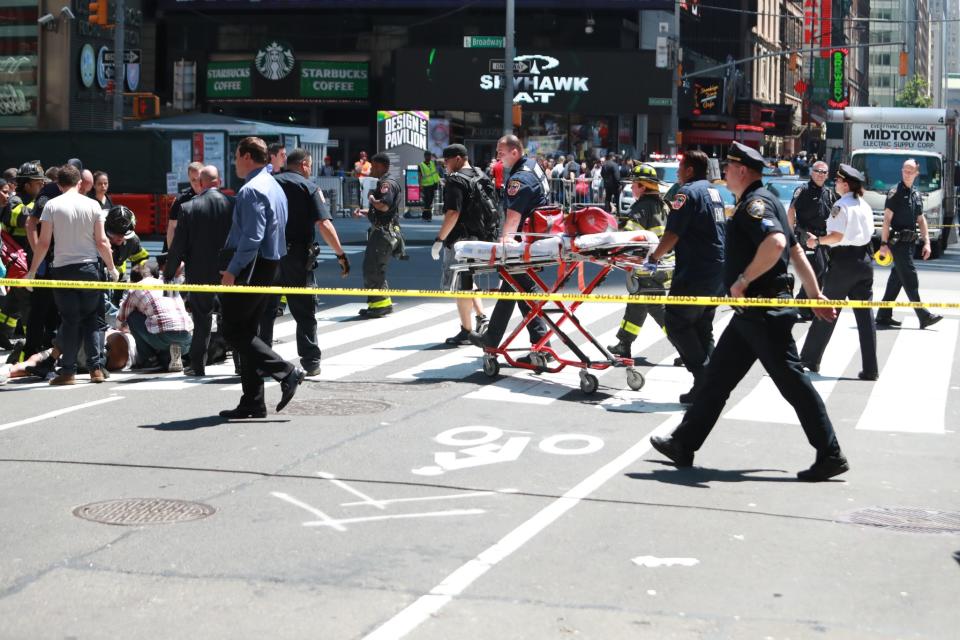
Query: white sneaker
pixel 5 373
pixel 176 361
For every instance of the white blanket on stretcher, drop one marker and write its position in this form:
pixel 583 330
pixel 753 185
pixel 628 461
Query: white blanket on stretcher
pixel 550 247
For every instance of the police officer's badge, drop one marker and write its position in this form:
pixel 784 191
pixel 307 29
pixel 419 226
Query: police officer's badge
pixel 835 211
pixel 756 209
pixel 513 187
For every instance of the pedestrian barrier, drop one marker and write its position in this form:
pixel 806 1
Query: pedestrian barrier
pixel 144 207
pixel 715 301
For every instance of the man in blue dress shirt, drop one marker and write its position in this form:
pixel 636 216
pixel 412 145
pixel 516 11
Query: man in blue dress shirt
pixel 254 246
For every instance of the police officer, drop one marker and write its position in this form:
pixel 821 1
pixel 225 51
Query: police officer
pixel 429 182
pixel 695 227
pixel 902 214
pixel 383 238
pixel 527 188
pixel 808 213
pixel 648 212
pixel 759 245
pixel 848 232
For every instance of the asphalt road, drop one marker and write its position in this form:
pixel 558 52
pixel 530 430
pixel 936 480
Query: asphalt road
pixel 404 492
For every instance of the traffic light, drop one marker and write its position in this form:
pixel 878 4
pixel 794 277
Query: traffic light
pixel 904 63
pixel 98 13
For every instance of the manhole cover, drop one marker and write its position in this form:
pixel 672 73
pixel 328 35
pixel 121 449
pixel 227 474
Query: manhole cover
pixel 379 388
pixel 143 511
pixel 908 519
pixel 333 406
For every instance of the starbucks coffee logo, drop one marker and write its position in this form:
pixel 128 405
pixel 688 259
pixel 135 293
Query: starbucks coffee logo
pixel 274 61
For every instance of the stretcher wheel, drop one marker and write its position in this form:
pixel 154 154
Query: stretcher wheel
pixel 635 379
pixel 588 382
pixel 490 366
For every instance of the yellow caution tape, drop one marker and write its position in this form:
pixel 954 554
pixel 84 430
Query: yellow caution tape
pixel 486 295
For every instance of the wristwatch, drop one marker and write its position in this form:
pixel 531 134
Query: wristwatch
pixel 742 278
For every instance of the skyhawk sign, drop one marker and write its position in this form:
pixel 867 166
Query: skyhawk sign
pixel 532 82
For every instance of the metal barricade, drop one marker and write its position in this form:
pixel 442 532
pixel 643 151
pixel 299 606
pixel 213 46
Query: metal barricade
pixel 332 189
pixel 574 192
pixel 351 194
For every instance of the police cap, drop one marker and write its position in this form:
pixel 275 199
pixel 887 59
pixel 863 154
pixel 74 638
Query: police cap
pixel 746 156
pixel 849 173
pixel 454 151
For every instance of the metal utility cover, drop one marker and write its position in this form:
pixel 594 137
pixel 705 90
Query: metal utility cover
pixel 136 511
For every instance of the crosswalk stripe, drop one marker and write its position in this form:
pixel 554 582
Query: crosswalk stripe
pixel 913 403
pixel 325 318
pixel 764 402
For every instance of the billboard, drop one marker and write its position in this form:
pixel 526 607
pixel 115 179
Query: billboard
pixel 402 135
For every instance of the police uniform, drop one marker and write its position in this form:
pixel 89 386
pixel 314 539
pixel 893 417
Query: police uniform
pixel 850 275
pixel 757 333
pixel 383 242
pixel 813 204
pixel 697 218
pixel 174 214
pixel 526 189
pixel 907 206
pixel 647 212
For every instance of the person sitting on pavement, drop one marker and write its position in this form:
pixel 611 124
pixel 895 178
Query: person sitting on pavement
pixel 159 323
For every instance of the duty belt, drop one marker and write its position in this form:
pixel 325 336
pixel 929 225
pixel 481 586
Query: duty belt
pixel 904 236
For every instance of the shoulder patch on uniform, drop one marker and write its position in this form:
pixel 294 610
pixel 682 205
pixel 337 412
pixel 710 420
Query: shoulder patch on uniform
pixel 385 188
pixel 892 192
pixel 797 192
pixel 678 201
pixel 513 187
pixel 756 208
pixel 835 211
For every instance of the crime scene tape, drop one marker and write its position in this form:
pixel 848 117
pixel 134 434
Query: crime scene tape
pixel 486 295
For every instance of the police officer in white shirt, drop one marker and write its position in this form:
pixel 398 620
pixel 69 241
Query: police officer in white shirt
pixel 850 274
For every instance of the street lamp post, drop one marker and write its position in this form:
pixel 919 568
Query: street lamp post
pixel 509 54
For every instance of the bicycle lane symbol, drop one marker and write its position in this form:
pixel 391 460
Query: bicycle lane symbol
pixel 478 446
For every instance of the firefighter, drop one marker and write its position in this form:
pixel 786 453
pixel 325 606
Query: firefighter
pixel 384 239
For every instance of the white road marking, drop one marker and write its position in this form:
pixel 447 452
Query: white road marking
pixel 764 402
pixel 451 496
pixel 913 403
pixel 59 412
pixel 325 318
pixel 336 524
pixel 457 582
pixel 343 485
pixel 330 522
pixel 653 561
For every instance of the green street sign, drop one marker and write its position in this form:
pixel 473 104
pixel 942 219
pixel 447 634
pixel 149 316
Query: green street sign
pixel 334 79
pixel 659 102
pixel 229 79
pixel 484 42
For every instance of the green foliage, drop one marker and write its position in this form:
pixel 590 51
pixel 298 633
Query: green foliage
pixel 915 93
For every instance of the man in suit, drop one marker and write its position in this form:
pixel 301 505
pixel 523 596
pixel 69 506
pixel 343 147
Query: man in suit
pixel 201 231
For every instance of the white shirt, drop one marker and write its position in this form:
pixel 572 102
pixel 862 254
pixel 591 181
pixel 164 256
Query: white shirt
pixel 74 219
pixel 852 217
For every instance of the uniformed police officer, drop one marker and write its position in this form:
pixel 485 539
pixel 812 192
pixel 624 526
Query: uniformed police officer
pixel 383 238
pixel 759 245
pixel 808 213
pixel 848 232
pixel 429 182
pixel 695 227
pixel 648 212
pixel 527 188
pixel 193 175
pixel 902 214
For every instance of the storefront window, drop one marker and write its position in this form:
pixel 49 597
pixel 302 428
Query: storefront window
pixel 18 64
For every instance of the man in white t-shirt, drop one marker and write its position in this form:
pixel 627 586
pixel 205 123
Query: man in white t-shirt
pixel 75 223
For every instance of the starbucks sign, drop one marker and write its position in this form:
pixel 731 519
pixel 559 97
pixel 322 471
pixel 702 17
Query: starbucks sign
pixel 274 73
pixel 275 61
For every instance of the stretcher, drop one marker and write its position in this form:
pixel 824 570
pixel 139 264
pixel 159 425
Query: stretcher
pixel 535 256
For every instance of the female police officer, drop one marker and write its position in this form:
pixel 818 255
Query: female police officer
pixel 850 274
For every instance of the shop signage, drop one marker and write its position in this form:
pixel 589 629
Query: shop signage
pixel 708 96
pixel 275 61
pixel 534 84
pixel 333 79
pixel 839 95
pixel 228 79
pixel 104 71
pixel 88 65
pixel 402 135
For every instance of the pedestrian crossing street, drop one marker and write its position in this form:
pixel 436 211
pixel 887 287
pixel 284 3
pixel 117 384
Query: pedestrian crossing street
pixel 408 346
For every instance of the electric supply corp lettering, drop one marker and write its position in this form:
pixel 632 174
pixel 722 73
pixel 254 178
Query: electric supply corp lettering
pixel 405 129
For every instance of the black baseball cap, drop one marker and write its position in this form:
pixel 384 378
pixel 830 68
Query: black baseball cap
pixel 849 173
pixel 381 158
pixel 747 156
pixel 454 151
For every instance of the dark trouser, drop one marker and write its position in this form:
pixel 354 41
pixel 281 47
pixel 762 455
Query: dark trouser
pixel 79 311
pixel 636 314
pixel 848 277
pixel 754 335
pixel 818 261
pixel 611 194
pixel 14 309
pixel 303 308
pixel 241 320
pixel 375 261
pixel 690 331
pixel 201 310
pixel 903 275
pixel 154 344
pixel 428 194
pixel 500 317
pixel 42 323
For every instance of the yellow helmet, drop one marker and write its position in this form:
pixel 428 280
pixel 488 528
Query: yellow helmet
pixel 645 175
pixel 883 259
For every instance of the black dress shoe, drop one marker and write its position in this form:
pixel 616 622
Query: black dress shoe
pixel 672 449
pixel 863 375
pixel 888 322
pixel 930 320
pixel 244 412
pixel 288 387
pixel 824 469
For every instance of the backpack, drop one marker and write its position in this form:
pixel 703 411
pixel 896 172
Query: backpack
pixel 480 215
pixel 14 258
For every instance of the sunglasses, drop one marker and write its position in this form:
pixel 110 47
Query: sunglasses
pixel 819 170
